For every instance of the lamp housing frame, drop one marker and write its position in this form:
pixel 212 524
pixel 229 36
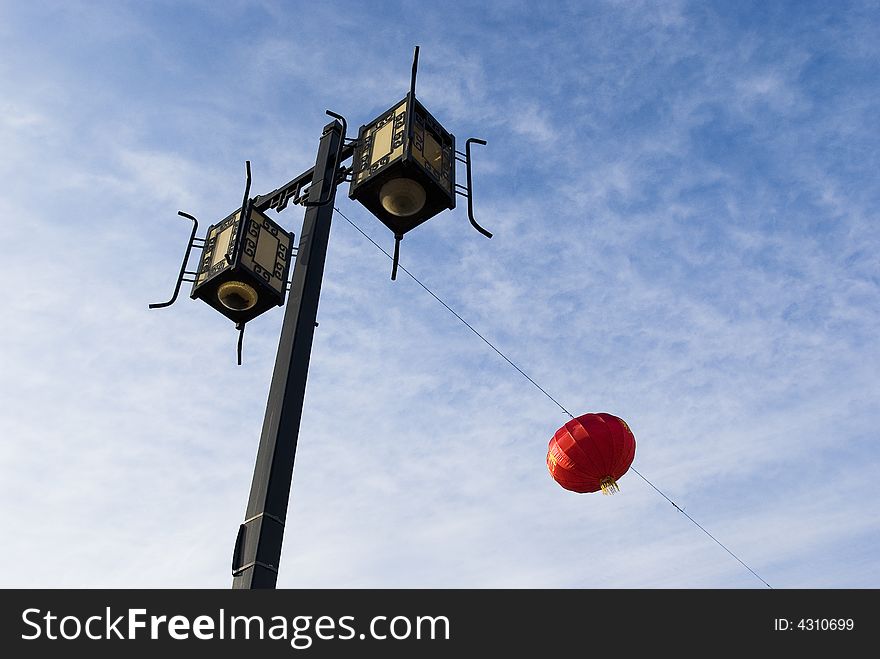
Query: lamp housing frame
pixel 415 135
pixel 257 253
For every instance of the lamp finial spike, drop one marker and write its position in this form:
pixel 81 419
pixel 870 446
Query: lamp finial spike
pixel 412 84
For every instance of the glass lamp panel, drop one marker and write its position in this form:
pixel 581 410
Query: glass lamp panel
pixel 266 251
pixel 433 153
pixel 222 245
pixel 432 150
pixel 216 246
pixel 384 142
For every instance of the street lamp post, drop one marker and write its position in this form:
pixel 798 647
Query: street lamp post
pixel 403 171
pixel 258 545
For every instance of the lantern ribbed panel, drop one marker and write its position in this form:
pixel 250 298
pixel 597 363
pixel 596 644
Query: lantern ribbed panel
pixel 588 449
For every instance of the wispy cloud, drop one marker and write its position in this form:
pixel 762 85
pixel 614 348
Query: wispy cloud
pixel 683 200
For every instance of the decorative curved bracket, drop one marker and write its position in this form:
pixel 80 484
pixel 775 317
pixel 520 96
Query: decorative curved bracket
pixel 183 271
pixel 470 188
pixel 332 190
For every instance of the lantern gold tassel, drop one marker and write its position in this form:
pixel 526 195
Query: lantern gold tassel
pixel 609 485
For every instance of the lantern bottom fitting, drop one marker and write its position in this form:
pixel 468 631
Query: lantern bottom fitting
pixel 237 296
pixel 402 197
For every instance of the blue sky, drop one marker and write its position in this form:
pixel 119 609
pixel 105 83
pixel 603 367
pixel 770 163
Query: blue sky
pixel 684 198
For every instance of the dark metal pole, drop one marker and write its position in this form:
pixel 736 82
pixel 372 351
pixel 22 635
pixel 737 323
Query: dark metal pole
pixel 258 546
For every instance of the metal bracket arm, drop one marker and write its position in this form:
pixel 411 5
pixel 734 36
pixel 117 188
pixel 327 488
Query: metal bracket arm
pixel 279 198
pixel 470 186
pixel 189 247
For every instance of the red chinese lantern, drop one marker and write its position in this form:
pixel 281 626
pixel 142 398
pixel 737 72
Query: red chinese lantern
pixel 590 453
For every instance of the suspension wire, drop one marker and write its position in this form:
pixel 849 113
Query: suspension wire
pixel 699 526
pixel 543 391
pixel 452 311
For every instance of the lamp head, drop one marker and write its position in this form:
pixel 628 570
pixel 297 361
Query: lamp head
pixel 404 166
pixel 243 269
